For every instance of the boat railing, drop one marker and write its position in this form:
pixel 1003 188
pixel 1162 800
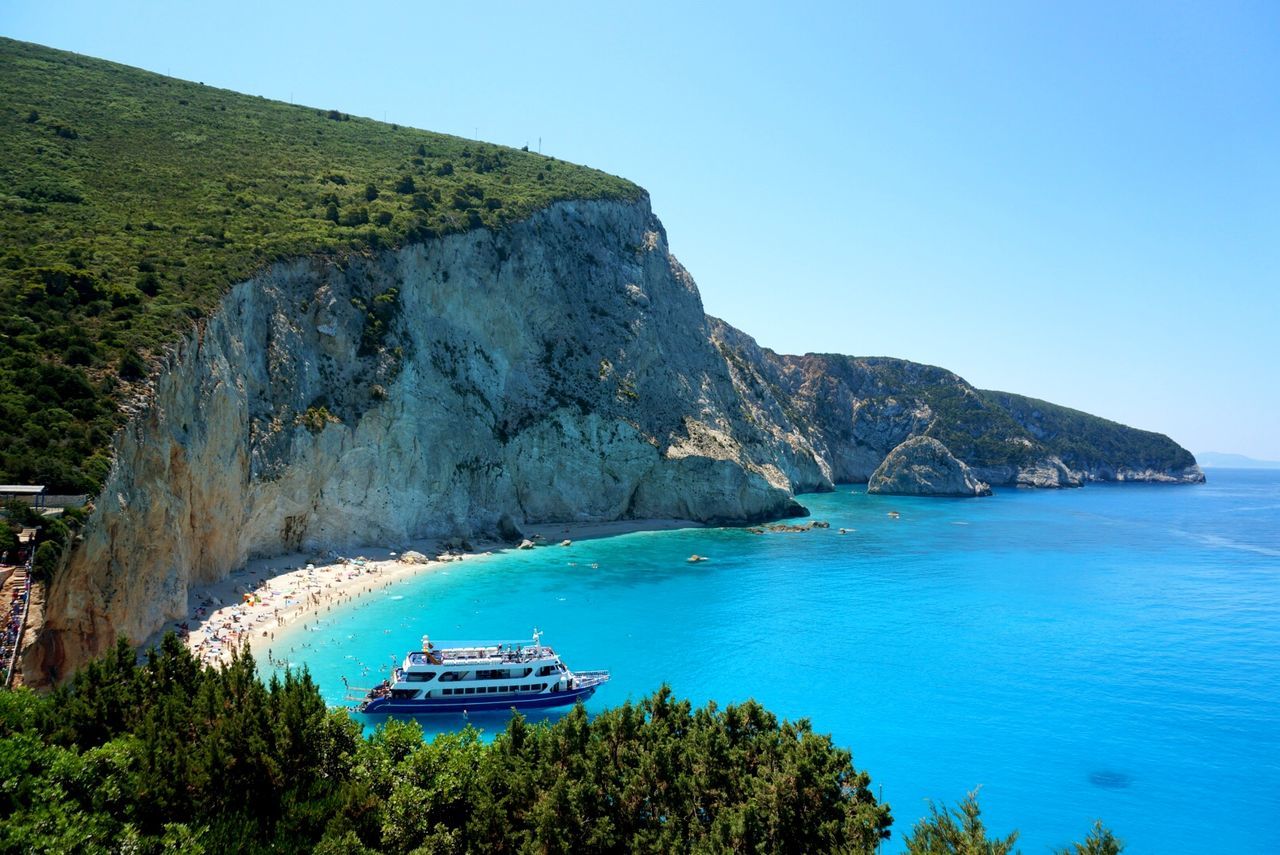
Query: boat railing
pixel 446 655
pixel 591 676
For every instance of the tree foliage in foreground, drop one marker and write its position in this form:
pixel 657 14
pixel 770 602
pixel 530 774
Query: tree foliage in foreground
pixel 957 831
pixel 170 756
pixel 961 831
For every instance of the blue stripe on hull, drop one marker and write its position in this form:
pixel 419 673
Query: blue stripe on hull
pixel 476 703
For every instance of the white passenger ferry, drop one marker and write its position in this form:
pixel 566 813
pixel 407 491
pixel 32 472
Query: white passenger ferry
pixel 524 675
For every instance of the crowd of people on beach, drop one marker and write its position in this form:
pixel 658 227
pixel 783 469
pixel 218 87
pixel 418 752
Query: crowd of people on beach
pixel 217 629
pixel 15 609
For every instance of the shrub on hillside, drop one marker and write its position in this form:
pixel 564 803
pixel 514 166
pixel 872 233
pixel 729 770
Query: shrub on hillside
pixel 131 366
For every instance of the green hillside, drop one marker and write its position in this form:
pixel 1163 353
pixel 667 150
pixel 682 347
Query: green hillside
pixel 129 203
pixel 1084 441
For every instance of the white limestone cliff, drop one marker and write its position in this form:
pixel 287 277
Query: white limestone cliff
pixel 558 370
pixel 922 466
pixel 561 369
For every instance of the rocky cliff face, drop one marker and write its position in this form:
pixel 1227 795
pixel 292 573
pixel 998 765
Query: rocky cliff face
pixel 559 370
pixel 922 466
pixel 854 411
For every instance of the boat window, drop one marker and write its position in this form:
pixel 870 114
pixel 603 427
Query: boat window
pixel 527 672
pixel 405 694
pixel 453 676
pixel 545 670
pixel 470 691
pixel 420 677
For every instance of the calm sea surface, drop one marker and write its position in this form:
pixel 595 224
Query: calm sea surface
pixel 1111 652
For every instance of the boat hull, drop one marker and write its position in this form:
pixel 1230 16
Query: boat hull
pixel 475 703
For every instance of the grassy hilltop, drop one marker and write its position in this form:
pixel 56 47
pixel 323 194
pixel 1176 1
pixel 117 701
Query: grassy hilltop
pixel 130 202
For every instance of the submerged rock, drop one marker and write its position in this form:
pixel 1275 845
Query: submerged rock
pixel 922 466
pixel 788 527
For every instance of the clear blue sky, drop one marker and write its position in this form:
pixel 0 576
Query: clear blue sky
pixel 1076 201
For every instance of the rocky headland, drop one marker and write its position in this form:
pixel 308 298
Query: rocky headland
pixel 922 466
pixel 562 369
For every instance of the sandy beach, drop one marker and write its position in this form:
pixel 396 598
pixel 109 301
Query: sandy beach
pixel 260 599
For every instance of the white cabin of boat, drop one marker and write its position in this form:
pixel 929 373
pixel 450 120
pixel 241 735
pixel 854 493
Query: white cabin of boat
pixel 512 669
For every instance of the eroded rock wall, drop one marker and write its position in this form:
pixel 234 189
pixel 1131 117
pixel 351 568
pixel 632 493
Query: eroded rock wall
pixel 560 370
pixel 922 466
pixel 852 412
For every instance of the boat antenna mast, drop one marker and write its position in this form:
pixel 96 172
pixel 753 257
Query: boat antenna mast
pixel 537 639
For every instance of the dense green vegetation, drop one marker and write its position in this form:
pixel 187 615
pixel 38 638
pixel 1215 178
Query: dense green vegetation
pixel 172 756
pixel 1083 440
pixel 130 201
pixel 53 534
pixel 986 428
pixel 961 831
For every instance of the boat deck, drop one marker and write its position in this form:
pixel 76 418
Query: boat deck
pixel 481 655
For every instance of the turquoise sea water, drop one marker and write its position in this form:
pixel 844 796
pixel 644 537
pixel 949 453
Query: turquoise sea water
pixel 1111 652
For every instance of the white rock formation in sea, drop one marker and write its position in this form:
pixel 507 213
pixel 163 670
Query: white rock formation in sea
pixel 922 466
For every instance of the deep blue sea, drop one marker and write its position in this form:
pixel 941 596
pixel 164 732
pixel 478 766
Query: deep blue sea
pixel 1110 652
